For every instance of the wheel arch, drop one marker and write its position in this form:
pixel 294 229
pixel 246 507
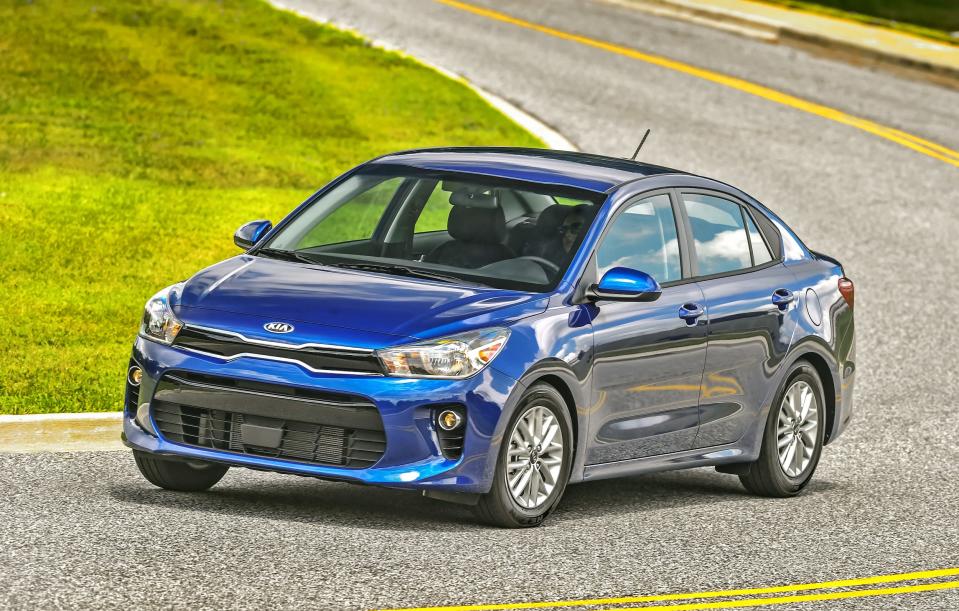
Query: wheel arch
pixel 563 389
pixel 564 380
pixel 821 359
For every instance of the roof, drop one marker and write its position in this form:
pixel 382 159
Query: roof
pixel 563 168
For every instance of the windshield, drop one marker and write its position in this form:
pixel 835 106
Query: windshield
pixel 444 227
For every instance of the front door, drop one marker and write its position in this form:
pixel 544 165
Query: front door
pixel 649 356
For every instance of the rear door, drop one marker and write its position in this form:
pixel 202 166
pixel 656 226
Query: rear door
pixel 648 359
pixel 750 300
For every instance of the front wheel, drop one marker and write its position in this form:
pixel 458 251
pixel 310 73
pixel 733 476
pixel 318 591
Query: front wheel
pixel 793 438
pixel 534 462
pixel 178 475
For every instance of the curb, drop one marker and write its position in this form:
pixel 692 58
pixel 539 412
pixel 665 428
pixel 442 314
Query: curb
pixel 93 432
pixel 773 31
pixel 550 137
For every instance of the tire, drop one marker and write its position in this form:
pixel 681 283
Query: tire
pixel 499 507
pixel 179 475
pixel 767 476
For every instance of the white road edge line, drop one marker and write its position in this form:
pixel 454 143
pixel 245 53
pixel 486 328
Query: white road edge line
pixel 550 137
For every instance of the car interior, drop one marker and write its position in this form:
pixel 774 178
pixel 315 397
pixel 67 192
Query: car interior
pixel 495 231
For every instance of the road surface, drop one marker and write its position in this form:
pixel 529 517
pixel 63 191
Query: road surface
pixel 84 530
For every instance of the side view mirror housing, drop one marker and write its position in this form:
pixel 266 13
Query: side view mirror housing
pixel 625 284
pixel 250 233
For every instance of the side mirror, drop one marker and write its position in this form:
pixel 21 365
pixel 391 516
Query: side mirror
pixel 625 284
pixel 249 234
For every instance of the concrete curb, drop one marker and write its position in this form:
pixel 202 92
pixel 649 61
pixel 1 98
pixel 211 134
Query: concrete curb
pixel 99 431
pixel 817 43
pixel 552 138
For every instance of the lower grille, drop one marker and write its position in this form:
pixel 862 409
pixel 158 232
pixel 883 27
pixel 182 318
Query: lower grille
pixel 208 415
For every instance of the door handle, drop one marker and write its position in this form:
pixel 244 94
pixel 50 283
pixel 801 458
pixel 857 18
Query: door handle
pixel 782 298
pixel 690 312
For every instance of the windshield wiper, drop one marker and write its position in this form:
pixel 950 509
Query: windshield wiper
pixel 287 255
pixel 402 270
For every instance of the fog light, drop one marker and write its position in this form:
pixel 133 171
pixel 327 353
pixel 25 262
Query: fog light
pixel 135 375
pixel 449 420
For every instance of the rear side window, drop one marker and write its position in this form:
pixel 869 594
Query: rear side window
pixel 771 233
pixel 643 237
pixel 760 250
pixel 719 234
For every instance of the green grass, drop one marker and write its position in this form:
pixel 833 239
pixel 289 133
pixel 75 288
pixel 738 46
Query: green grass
pixel 136 136
pixel 935 19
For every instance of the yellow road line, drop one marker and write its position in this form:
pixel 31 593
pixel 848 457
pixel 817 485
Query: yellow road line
pixel 802 598
pixel 915 143
pixel 823 585
pixel 926 143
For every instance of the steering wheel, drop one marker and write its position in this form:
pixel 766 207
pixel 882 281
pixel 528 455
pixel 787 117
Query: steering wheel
pixel 549 265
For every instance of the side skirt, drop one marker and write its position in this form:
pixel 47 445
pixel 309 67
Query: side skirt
pixel 698 457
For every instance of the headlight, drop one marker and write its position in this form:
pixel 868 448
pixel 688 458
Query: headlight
pixel 457 356
pixel 159 323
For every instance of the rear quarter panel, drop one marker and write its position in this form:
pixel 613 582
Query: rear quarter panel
pixel 827 332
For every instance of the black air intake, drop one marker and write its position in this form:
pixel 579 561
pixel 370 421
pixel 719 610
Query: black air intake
pixel 268 420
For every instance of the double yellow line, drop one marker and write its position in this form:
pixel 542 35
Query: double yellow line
pixel 927 581
pixel 910 141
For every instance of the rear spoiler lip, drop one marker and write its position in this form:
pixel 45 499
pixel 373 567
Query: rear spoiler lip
pixel 825 257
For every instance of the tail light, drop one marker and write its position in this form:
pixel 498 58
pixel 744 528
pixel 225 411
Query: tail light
pixel 848 290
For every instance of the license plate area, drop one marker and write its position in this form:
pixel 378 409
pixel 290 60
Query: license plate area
pixel 261 434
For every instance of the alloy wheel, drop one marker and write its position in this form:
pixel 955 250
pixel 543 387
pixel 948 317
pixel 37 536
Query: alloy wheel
pixel 534 458
pixel 797 433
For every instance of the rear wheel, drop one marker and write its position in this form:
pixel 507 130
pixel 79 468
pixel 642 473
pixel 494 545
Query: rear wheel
pixel 793 438
pixel 534 462
pixel 178 475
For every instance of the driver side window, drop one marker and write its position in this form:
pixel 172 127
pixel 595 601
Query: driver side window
pixel 643 237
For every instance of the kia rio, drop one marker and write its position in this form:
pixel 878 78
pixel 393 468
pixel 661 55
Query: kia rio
pixel 490 325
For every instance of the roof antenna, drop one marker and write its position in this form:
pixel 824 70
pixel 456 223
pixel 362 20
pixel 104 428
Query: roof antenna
pixel 641 142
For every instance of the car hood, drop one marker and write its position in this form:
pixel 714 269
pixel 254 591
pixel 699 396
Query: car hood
pixel 331 302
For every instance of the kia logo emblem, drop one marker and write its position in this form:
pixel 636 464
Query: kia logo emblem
pixel 278 327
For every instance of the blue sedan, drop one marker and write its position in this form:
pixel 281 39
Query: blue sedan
pixel 489 325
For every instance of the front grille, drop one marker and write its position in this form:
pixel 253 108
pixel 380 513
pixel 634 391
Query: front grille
pixel 216 413
pixel 228 345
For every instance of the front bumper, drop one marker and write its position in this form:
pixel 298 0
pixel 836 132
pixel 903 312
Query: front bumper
pixel 412 456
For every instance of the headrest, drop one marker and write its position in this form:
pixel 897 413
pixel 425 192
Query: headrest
pixel 549 220
pixel 483 225
pixel 473 199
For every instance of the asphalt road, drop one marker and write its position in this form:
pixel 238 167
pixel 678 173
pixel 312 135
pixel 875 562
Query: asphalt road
pixel 80 530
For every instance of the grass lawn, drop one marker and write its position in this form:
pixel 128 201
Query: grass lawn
pixel 136 136
pixel 936 19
